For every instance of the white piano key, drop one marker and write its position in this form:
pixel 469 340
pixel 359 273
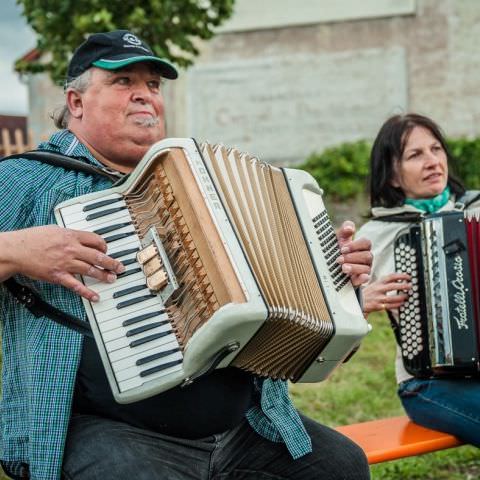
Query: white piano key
pixel 108 314
pixel 79 220
pixel 78 207
pixel 139 381
pixel 117 322
pixel 125 352
pixel 104 287
pixel 109 303
pixel 126 341
pixel 120 331
pixel 135 370
pixel 130 360
pixel 91 225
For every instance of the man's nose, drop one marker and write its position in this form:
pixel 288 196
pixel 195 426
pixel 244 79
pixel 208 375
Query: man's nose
pixel 141 93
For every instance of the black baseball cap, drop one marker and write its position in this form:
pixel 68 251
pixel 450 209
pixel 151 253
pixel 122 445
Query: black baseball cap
pixel 114 50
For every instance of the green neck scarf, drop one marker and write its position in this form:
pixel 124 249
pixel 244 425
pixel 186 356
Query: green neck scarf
pixel 430 205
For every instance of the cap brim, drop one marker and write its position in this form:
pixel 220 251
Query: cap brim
pixel 166 69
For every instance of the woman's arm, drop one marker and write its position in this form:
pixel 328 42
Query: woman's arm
pixel 56 255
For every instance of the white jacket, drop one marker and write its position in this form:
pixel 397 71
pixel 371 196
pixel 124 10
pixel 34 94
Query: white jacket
pixel 382 235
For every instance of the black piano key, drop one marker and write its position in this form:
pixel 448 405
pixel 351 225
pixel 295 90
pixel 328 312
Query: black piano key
pixel 111 228
pixel 156 356
pixel 129 261
pixel 150 338
pixel 159 368
pixel 127 291
pixel 140 318
pixel 133 301
pixel 144 328
pixel 118 236
pixel 104 213
pixel 101 203
pixel 126 273
pixel 122 253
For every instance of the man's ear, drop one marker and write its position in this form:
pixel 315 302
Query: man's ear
pixel 74 103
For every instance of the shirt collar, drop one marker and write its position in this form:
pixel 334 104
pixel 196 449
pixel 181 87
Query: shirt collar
pixel 66 143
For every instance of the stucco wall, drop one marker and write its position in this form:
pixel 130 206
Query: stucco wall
pixel 281 93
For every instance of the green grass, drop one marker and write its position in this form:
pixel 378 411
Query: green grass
pixel 365 389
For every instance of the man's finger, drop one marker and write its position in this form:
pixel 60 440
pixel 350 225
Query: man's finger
pixel 94 257
pixel 90 270
pixel 90 239
pixel 70 282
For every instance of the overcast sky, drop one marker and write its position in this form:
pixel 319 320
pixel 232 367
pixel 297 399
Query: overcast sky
pixel 16 39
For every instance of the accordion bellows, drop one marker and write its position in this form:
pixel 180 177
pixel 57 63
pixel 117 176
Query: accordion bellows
pixel 235 257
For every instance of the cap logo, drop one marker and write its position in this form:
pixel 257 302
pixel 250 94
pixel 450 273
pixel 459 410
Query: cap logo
pixel 132 39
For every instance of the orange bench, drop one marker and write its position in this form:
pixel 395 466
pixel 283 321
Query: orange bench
pixel 396 437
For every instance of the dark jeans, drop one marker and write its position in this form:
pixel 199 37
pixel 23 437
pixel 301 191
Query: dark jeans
pixel 104 449
pixel 448 405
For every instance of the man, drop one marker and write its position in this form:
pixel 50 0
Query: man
pixel 59 416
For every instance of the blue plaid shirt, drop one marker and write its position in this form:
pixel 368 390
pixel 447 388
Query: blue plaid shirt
pixel 40 357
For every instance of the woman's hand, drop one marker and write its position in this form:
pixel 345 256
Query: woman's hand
pixel 56 255
pixel 377 295
pixel 356 258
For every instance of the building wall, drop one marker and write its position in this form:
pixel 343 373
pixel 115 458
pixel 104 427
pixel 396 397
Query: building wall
pixel 287 78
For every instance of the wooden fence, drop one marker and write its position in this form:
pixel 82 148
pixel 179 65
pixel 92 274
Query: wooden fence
pixel 18 145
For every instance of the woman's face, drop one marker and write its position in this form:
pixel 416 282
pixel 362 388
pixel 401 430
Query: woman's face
pixel 422 172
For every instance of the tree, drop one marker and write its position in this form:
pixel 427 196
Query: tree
pixel 168 26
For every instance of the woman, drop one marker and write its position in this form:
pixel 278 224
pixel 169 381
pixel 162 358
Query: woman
pixel 410 174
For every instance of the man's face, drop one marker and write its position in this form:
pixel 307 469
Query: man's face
pixel 121 114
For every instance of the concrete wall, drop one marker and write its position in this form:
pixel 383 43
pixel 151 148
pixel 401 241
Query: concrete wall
pixel 332 73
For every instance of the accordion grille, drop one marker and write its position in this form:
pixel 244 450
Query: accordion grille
pixel 260 207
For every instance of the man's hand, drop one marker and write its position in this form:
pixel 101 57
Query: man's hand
pixel 377 295
pixel 356 258
pixel 56 255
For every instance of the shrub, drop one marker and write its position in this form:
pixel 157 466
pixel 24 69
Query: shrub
pixel 342 171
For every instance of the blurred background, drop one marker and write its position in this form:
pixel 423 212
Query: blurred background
pixel 303 83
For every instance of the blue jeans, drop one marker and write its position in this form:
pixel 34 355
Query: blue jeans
pixel 103 449
pixel 448 405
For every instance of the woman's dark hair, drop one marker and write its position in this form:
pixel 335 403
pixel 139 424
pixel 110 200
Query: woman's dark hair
pixel 388 148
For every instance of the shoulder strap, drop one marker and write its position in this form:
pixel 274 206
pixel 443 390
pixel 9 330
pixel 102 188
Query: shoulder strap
pixel 69 163
pixel 30 300
pixel 407 217
pixel 469 197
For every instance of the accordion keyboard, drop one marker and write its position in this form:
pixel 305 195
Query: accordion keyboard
pixel 132 321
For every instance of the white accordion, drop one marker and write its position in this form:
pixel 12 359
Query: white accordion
pixel 229 261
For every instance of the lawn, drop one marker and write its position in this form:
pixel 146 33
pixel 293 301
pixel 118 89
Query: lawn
pixel 364 389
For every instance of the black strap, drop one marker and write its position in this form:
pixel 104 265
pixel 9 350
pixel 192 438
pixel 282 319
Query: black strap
pixel 469 197
pixel 69 163
pixel 406 217
pixel 30 300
